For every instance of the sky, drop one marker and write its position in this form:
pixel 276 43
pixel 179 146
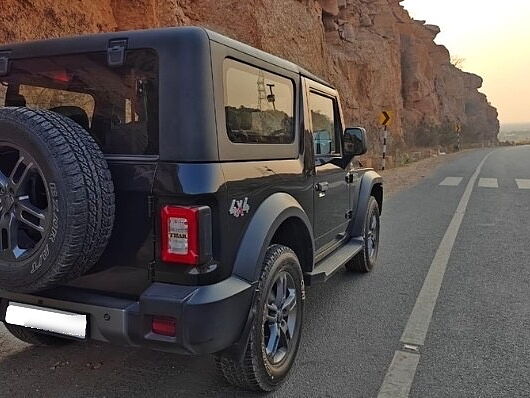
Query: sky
pixel 493 38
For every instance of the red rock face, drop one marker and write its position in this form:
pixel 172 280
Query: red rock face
pixel 377 56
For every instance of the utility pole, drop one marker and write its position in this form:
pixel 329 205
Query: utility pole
pixel 262 92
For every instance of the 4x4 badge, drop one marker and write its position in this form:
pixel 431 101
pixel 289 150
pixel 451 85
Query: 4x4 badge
pixel 239 207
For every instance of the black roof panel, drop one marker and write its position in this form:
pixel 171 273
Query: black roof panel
pixel 142 38
pixel 264 56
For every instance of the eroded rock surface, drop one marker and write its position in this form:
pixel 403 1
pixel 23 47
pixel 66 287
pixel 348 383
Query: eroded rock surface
pixel 371 50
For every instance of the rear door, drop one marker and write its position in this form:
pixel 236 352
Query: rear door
pixel 331 191
pixel 118 106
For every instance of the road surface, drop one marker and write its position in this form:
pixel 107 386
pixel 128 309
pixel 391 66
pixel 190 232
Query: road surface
pixel 446 313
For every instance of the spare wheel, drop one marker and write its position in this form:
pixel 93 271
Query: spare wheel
pixel 56 200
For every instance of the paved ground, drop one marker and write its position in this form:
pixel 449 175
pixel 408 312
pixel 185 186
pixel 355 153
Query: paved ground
pixel 476 344
pixel 398 179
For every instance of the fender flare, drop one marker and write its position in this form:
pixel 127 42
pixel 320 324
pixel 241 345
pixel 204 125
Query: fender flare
pixel 368 181
pixel 272 212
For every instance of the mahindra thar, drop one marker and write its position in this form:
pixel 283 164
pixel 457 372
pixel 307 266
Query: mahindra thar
pixel 177 190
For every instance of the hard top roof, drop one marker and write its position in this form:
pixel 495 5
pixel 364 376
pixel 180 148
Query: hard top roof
pixel 264 56
pixel 99 41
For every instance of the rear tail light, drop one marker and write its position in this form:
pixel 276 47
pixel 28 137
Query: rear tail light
pixel 186 234
pixel 164 326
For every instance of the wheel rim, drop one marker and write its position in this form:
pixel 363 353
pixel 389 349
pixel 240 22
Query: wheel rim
pixel 280 319
pixel 372 236
pixel 24 202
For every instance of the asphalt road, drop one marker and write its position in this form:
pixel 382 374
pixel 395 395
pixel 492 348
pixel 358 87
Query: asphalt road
pixel 477 342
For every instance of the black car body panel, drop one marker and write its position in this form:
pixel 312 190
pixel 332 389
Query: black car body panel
pixel 257 194
pixel 273 211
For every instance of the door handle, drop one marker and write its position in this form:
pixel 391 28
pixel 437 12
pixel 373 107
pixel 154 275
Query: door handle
pixel 322 186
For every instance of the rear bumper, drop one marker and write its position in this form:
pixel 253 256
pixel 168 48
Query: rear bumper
pixel 209 318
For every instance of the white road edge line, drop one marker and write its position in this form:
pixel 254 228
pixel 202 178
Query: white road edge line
pixel 398 379
pixel 400 375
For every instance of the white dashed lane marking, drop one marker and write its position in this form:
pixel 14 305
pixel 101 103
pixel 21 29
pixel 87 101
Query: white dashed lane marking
pixel 522 183
pixel 488 183
pixel 451 181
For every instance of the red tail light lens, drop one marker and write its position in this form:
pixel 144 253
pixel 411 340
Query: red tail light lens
pixel 180 235
pixel 164 326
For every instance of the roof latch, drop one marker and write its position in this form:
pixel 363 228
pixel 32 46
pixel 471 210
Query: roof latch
pixel 116 52
pixel 4 63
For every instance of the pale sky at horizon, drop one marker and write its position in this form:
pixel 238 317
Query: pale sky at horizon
pixel 494 39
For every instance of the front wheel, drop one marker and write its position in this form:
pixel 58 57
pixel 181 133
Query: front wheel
pixel 365 260
pixel 276 328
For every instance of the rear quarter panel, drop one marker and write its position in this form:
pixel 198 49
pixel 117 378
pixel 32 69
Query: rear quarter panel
pixel 254 182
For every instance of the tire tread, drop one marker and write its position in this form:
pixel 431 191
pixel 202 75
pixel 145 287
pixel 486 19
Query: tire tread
pixel 361 263
pixel 90 193
pixel 247 374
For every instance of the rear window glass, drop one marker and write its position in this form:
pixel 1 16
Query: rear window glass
pixel 48 98
pixel 259 105
pixel 117 105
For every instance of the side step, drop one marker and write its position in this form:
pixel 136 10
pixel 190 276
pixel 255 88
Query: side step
pixel 332 263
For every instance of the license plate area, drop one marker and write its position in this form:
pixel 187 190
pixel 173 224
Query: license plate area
pixel 47 320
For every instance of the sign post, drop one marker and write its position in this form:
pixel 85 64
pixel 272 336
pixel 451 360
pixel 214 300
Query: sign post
pixel 458 129
pixel 385 118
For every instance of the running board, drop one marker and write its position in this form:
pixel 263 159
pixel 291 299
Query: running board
pixel 330 264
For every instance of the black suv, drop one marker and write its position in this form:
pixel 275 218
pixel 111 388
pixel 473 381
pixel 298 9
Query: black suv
pixel 175 189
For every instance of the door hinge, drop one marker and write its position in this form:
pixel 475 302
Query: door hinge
pixel 116 52
pixel 349 214
pixel 349 178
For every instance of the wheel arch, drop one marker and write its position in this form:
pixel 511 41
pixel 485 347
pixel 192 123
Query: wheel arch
pixel 371 185
pixel 293 233
pixel 377 193
pixel 274 222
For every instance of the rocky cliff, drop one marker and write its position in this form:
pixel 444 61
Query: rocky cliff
pixel 372 50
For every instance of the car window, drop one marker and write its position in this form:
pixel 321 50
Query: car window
pixel 259 105
pixel 118 106
pixel 325 125
pixel 50 98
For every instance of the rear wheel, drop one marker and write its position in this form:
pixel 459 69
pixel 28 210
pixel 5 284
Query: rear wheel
pixel 276 328
pixel 366 259
pixel 36 338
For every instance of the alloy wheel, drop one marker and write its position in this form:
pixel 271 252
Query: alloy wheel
pixel 372 235
pixel 24 201
pixel 280 317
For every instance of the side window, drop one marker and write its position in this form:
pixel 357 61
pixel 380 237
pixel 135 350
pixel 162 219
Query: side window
pixel 259 105
pixel 325 125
